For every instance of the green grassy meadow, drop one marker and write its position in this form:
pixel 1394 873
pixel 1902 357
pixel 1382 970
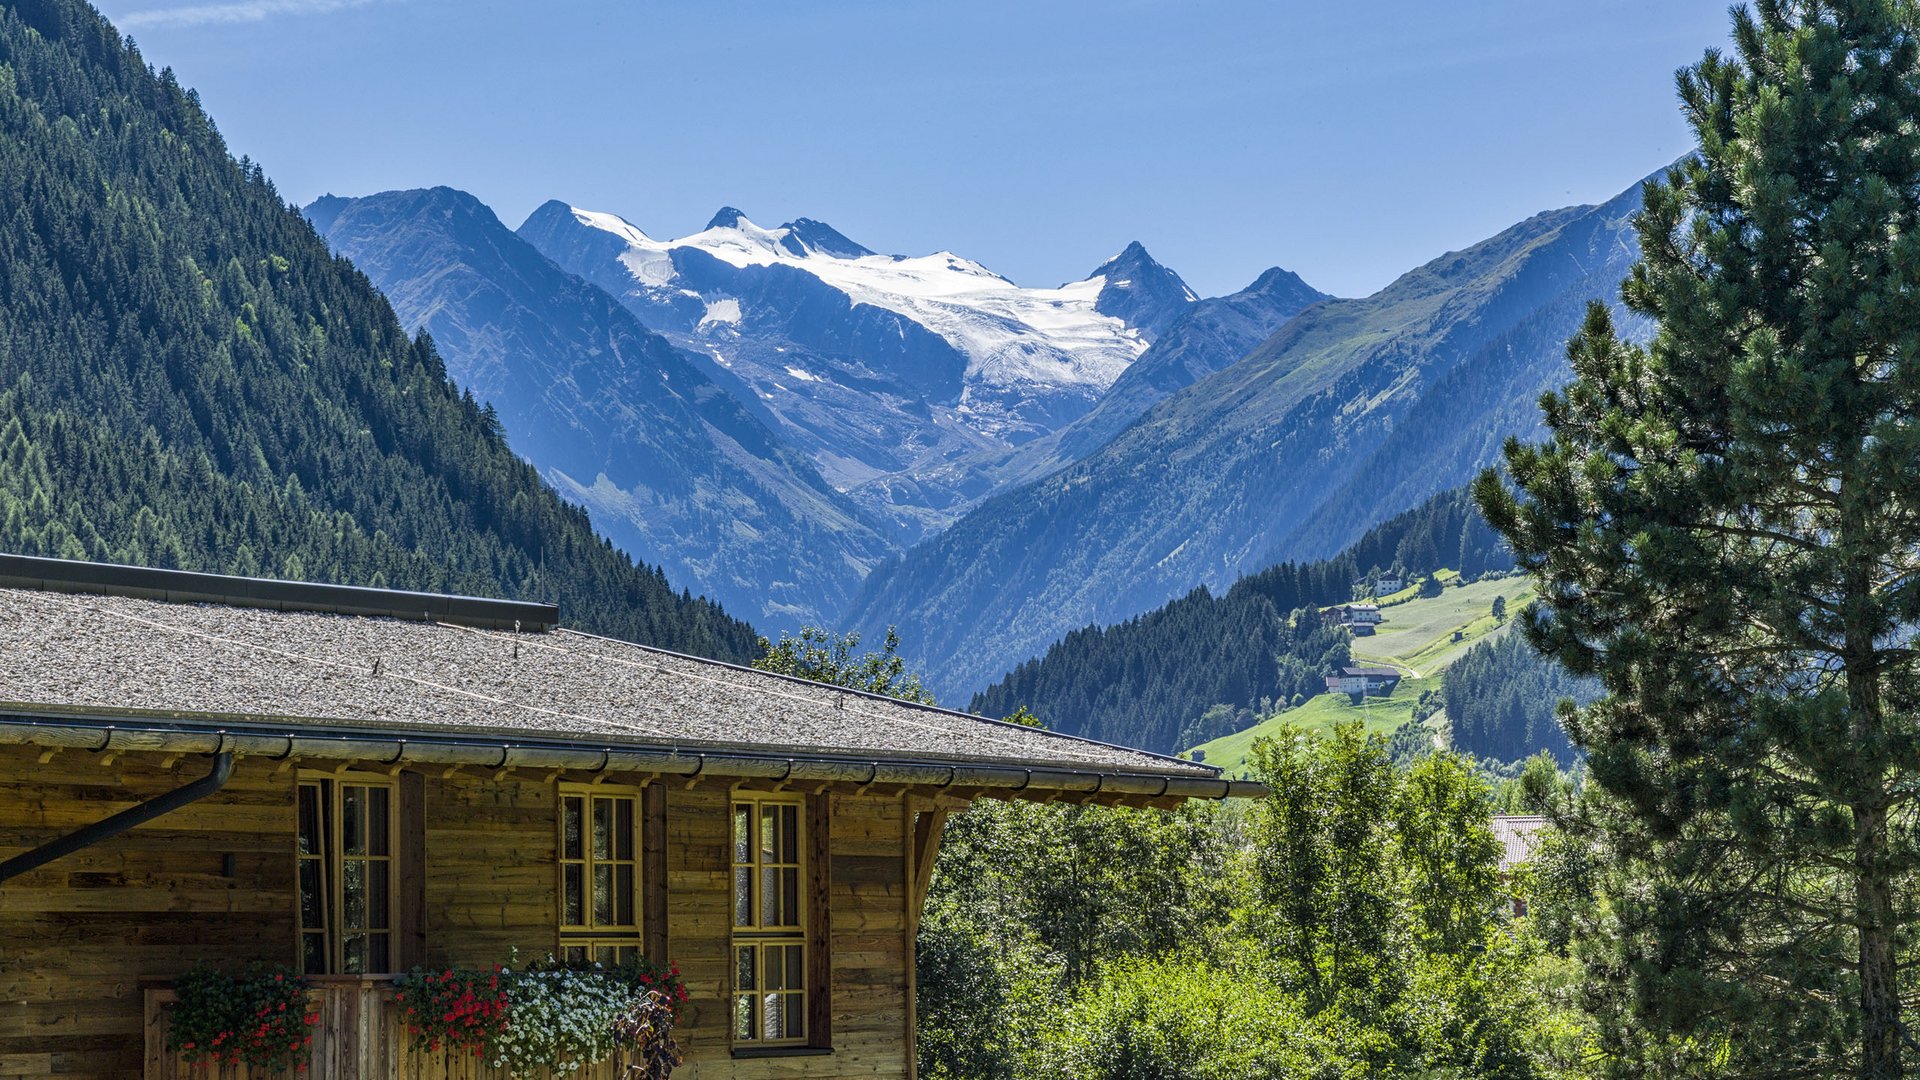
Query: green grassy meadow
pixel 1416 637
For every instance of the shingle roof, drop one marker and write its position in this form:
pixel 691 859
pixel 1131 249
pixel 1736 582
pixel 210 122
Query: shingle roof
pixel 83 654
pixel 1355 671
pixel 1516 835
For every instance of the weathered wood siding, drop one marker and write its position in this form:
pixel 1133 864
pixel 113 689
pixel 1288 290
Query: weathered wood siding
pixel 868 924
pixel 490 878
pixel 77 935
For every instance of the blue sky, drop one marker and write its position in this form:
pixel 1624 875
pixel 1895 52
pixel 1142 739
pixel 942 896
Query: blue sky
pixel 1347 141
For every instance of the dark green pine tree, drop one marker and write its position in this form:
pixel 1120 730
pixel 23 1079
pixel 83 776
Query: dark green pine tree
pixel 1725 529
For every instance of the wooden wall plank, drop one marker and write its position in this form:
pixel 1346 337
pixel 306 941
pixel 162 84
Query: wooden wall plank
pixel 77 935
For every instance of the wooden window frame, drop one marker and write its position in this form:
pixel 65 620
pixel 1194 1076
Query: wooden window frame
pixel 589 934
pixel 333 858
pixel 796 940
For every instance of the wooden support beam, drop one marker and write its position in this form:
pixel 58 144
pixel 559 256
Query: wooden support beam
pixel 926 848
pixel 653 873
pixel 411 924
pixel 820 922
pixel 921 834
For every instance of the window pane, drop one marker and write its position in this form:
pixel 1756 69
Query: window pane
pixel 353 883
pixel 603 828
pixel 602 895
pixel 744 975
pixel 790 829
pixel 354 946
pixel 377 958
pixel 623 895
pixel 570 827
pixel 604 954
pixel 770 898
pixel 309 819
pixel 776 1014
pixel 353 819
pixel 573 893
pixel 313 954
pixel 743 1018
pixel 790 898
pixel 311 904
pixel 769 822
pixel 774 975
pixel 743 897
pixel 743 834
pixel 378 917
pixel 796 966
pixel 623 829
pixel 379 820
pixel 574 953
pixel 796 1009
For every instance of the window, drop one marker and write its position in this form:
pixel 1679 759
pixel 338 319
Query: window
pixel 769 923
pixel 347 878
pixel 599 874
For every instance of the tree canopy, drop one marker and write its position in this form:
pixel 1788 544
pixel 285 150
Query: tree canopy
pixel 1725 531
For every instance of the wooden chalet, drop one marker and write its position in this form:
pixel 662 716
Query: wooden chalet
pixel 353 782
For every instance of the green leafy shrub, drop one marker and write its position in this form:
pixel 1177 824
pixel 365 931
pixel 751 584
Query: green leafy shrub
pixel 1181 1019
pixel 258 1019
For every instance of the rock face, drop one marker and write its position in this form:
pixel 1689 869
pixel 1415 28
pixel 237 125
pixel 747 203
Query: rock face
pixel 900 377
pixel 1349 412
pixel 1140 292
pixel 673 467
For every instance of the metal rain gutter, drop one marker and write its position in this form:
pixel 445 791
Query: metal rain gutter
pixel 126 819
pixel 452 749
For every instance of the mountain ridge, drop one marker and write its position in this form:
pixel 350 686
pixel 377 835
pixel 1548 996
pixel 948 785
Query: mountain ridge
pixel 189 378
pixel 674 469
pixel 1213 481
pixel 893 373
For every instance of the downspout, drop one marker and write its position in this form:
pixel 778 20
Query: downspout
pixel 122 821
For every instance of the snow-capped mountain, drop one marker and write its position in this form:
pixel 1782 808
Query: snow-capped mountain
pixel 883 368
pixel 677 471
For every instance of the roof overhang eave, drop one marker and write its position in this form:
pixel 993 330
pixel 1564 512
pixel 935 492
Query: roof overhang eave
pixel 496 750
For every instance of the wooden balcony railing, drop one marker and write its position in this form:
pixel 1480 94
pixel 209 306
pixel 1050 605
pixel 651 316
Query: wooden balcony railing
pixel 359 1037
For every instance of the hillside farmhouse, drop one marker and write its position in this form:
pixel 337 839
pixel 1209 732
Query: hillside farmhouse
pixel 352 782
pixel 1363 681
pixel 1359 618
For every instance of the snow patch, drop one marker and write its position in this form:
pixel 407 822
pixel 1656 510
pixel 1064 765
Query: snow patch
pixel 725 311
pixel 1010 335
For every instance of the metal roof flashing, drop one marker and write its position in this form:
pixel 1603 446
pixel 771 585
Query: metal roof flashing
pixel 192 587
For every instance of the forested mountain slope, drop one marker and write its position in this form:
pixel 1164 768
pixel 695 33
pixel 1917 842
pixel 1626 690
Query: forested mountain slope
pixel 1337 407
pixel 1152 680
pixel 674 469
pixel 189 378
pixel 1501 698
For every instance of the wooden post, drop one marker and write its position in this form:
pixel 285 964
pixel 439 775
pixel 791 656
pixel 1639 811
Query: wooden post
pixel 920 834
pixel 820 918
pixel 410 929
pixel 653 872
